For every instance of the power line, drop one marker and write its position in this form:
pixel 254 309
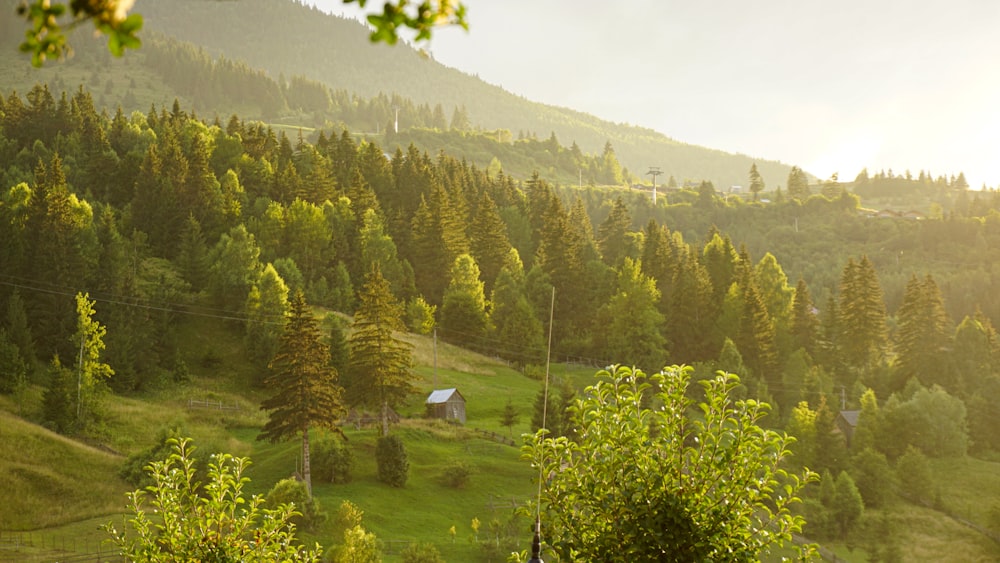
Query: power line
pixel 166 307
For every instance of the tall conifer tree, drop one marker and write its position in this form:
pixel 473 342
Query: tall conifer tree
pixel 924 336
pixel 380 363
pixel 306 393
pixel 863 330
pixel 804 324
pixel 488 240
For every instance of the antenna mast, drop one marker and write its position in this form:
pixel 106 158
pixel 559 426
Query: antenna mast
pixel 536 541
pixel 654 171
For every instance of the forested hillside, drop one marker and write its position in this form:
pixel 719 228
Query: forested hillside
pixel 287 63
pixel 148 215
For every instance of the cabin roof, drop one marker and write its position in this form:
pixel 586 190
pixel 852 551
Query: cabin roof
pixel 442 396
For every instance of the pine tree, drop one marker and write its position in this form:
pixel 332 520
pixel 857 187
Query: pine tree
pixel 804 323
pixel 438 238
pixel 339 350
pixel 692 316
pixel 18 328
pixel 831 450
pixel 509 417
pixel 379 364
pixel 545 413
pixel 306 391
pixel 378 247
pixel 611 169
pixel 863 331
pixel 192 257
pixel 488 240
pixel 13 369
pixel 658 260
pixel 924 336
pixel 847 505
pixel 582 232
pixel 756 182
pixel 611 234
pixel 58 401
pixel 798 184
pixel 719 258
pixel 756 336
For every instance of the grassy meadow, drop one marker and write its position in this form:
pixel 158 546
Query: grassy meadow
pixel 59 491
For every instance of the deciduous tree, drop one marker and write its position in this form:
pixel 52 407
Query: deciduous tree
pixel 645 481
pixel 206 521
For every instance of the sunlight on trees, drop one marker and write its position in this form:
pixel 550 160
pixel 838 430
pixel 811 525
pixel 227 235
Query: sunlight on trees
pixel 645 480
pixel 210 521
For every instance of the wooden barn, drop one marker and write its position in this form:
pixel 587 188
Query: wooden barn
pixel 447 404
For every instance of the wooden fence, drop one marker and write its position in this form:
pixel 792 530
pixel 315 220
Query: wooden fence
pixel 217 405
pixel 36 547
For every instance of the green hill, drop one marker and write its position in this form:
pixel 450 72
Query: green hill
pixel 259 48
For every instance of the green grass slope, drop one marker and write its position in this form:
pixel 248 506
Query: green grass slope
pixel 48 479
pixel 63 490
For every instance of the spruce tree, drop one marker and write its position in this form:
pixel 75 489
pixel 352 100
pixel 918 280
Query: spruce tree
pixel 488 240
pixel 798 184
pixel 863 331
pixel 756 182
pixel 804 323
pixel 658 260
pixel 306 393
pixel 924 336
pixel 611 234
pixel 692 314
pixel 379 362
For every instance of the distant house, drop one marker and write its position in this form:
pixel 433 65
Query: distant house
pixel 846 422
pixel 447 404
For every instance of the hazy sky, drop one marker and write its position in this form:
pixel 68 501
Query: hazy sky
pixel 831 86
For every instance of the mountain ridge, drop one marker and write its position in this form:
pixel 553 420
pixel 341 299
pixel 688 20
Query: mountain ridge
pixel 336 51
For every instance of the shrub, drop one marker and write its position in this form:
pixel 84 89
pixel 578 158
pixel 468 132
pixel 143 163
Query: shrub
pixel 332 460
pixel 456 474
pixel 134 470
pixel 348 516
pixel 390 455
pixel 185 508
pixel 293 492
pixel 421 553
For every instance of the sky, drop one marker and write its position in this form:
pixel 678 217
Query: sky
pixel 830 86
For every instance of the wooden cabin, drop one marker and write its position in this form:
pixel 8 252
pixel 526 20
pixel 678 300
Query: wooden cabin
pixel 447 404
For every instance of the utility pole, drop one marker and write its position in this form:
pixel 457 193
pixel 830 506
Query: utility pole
pixel 435 358
pixel 654 171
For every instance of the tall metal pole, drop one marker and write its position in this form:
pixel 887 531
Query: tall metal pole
pixel 654 171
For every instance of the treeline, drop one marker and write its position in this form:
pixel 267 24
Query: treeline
pixel 298 40
pixel 885 184
pixel 161 213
